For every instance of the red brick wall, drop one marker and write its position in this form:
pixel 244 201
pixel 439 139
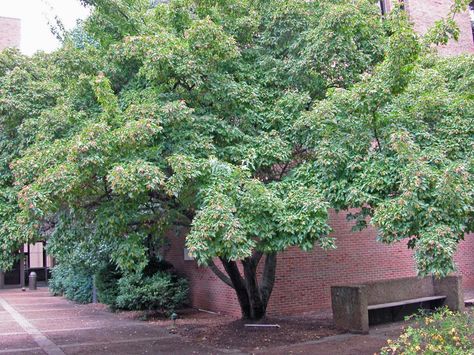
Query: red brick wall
pixel 206 290
pixel 304 279
pixel 425 12
pixel 465 261
pixel 10 32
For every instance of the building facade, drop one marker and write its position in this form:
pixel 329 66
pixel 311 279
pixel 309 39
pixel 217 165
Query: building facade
pixel 10 32
pixel 304 279
pixel 10 37
pixel 425 12
pixel 31 257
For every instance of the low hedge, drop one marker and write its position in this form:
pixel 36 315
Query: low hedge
pixel 75 285
pixel 162 291
pixel 156 289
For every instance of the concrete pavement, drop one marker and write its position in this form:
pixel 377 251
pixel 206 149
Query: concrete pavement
pixel 34 322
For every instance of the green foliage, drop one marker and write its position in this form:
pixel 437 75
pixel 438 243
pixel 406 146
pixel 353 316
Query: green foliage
pixel 404 159
pixel 443 332
pixel 25 92
pixel 75 285
pixel 241 121
pixel 163 291
pixel 106 281
pixel 398 147
pixel 188 120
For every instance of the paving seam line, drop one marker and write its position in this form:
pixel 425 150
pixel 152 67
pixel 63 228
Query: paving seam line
pixel 62 318
pixel 44 343
pixel 35 304
pixel 55 330
pixel 19 350
pixel 50 319
pixel 48 309
pixel 137 340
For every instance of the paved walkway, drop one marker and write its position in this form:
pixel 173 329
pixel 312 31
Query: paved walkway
pixel 33 322
pixel 343 344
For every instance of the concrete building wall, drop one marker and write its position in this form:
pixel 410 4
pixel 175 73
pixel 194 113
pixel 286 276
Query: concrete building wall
pixel 36 255
pixel 10 32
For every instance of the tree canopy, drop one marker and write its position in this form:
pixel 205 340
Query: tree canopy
pixel 239 123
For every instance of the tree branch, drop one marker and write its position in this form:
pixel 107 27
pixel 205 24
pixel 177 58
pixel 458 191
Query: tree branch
pixel 268 276
pixel 256 258
pixel 376 135
pixel 224 278
pixel 234 274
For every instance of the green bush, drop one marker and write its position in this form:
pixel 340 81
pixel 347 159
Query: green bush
pixel 56 282
pixel 108 276
pixel 106 282
pixel 75 285
pixel 163 291
pixel 442 332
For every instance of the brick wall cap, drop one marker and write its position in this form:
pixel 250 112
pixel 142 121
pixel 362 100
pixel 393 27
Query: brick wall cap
pixel 355 285
pixel 10 18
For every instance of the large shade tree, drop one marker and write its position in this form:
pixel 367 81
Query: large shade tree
pixel 397 148
pixel 27 88
pixel 240 123
pixel 402 159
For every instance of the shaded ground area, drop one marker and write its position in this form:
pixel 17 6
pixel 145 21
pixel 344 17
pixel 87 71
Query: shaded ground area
pixel 230 333
pixel 343 344
pixel 310 334
pixel 33 322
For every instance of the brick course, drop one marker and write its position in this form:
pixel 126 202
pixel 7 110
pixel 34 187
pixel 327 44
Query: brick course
pixel 10 32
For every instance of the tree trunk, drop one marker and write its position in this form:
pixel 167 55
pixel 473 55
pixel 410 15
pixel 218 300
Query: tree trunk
pixel 253 296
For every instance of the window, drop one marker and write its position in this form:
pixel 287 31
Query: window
pixel 187 256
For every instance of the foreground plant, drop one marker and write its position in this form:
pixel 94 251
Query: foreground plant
pixel 442 332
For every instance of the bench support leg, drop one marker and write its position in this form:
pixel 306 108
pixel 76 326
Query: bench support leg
pixel 349 308
pixel 451 287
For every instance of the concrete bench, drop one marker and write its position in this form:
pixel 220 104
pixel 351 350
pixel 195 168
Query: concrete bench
pixel 406 302
pixel 354 306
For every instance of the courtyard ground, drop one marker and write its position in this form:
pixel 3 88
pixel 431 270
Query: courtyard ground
pixel 34 322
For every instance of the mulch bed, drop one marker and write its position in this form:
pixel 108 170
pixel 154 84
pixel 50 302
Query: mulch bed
pixel 227 332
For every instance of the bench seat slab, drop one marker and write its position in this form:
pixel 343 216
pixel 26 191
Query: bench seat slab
pixel 405 302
